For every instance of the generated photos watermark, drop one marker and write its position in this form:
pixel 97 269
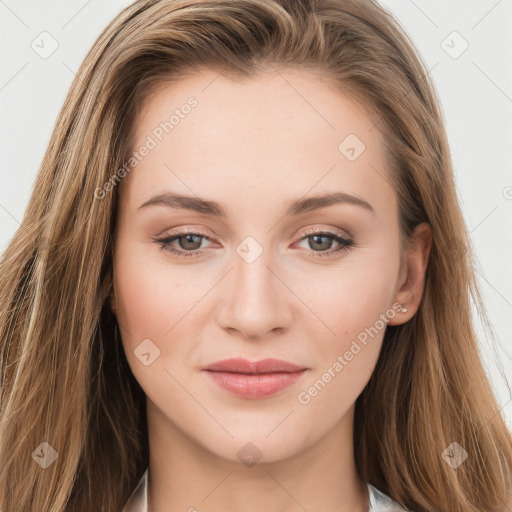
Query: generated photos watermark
pixel 357 345
pixel 152 140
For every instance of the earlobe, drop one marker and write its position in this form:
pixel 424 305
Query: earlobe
pixel 410 293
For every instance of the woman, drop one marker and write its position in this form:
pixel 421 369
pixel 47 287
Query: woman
pixel 243 279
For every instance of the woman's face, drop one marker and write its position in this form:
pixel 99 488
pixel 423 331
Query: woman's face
pixel 240 257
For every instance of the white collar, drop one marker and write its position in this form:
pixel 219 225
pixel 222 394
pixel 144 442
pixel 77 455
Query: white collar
pixel 138 501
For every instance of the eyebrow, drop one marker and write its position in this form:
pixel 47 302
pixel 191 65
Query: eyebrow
pixel 215 209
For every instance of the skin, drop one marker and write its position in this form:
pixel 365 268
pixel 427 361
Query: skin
pixel 254 147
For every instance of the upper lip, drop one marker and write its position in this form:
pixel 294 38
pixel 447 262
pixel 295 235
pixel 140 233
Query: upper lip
pixel 238 365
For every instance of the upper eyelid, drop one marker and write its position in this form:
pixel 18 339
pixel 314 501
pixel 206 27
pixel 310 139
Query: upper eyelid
pixel 329 231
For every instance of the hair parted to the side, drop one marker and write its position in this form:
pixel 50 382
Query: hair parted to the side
pixel 64 376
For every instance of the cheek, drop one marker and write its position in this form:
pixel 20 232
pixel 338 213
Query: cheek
pixel 348 351
pixel 151 307
pixel 350 298
pixel 352 305
pixel 151 295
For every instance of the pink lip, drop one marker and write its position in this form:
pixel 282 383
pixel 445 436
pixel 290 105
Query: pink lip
pixel 254 379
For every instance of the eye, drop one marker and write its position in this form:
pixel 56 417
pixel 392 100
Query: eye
pixel 188 242
pixel 320 242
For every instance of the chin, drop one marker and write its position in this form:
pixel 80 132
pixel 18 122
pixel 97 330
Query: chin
pixel 254 447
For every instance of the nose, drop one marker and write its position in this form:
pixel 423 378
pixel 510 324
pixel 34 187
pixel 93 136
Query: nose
pixel 254 299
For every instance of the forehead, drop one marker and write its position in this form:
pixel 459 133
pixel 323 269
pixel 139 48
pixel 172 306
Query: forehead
pixel 282 133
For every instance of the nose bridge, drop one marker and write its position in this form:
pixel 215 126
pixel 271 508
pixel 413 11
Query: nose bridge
pixel 255 300
pixel 251 272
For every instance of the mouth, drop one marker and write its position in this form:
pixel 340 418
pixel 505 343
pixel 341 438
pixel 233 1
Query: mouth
pixel 254 380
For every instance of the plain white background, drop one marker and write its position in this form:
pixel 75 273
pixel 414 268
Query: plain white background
pixel 466 46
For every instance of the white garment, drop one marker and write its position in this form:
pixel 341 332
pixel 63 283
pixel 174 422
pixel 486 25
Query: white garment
pixel 138 501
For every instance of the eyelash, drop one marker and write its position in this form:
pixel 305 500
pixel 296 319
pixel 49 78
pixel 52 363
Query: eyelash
pixel 344 241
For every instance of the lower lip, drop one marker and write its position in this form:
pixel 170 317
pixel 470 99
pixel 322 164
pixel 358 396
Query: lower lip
pixel 254 386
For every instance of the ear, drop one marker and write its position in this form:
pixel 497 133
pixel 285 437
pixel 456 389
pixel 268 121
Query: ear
pixel 412 277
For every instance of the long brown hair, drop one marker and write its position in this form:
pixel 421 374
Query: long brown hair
pixel 64 376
